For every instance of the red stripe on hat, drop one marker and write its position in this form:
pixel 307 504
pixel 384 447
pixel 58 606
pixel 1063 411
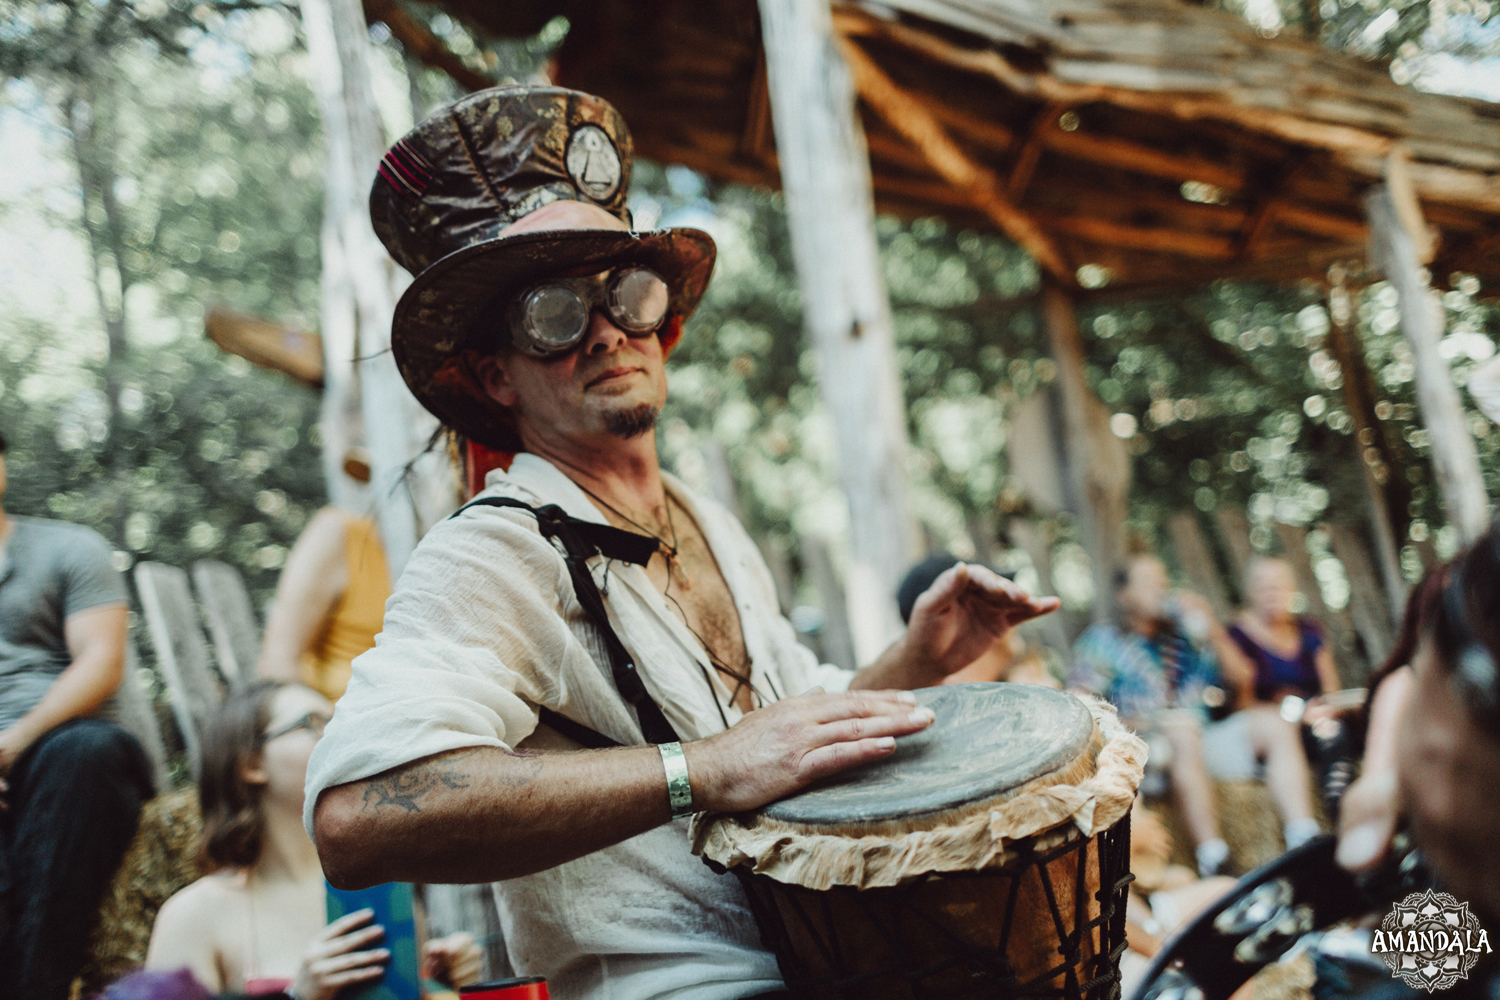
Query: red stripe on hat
pixel 418 160
pixel 416 182
pixel 395 180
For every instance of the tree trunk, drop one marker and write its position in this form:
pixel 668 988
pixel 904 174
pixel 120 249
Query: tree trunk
pixel 1454 458
pixel 1338 624
pixel 94 158
pixel 1098 462
pixel 1387 490
pixel 1367 604
pixel 1197 561
pixel 825 173
pixel 837 644
pixel 1059 628
pixel 1234 531
pixel 360 288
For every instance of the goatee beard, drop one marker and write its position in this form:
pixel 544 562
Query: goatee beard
pixel 631 423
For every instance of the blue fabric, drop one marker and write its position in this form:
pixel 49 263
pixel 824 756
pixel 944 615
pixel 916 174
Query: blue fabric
pixel 1141 675
pixel 1276 675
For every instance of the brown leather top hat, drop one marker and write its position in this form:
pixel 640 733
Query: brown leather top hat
pixel 444 193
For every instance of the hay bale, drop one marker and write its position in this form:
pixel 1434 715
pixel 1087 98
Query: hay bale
pixel 160 860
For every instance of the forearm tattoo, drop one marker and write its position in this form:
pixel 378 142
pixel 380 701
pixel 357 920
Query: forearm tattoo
pixel 404 787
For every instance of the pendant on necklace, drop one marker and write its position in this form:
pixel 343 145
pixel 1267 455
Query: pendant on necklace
pixel 675 568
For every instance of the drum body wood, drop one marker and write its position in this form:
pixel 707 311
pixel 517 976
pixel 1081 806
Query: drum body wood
pixel 1007 893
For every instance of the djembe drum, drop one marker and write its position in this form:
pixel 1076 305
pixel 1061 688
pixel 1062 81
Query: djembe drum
pixel 988 856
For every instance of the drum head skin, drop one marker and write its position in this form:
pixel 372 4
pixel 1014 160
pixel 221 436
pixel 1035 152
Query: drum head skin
pixel 988 739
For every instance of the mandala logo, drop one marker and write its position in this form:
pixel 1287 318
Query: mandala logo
pixel 1430 941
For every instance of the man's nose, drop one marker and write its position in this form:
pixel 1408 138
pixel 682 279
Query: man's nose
pixel 603 336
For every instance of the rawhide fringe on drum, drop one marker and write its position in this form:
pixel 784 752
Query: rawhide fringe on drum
pixel 987 857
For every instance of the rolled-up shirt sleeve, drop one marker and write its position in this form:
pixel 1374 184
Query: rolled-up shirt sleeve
pixel 478 603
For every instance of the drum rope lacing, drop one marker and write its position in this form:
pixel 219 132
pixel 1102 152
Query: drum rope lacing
pixel 989 966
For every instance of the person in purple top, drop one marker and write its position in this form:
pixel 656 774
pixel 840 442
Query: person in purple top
pixel 1288 651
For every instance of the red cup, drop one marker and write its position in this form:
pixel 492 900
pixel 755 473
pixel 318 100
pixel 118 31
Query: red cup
pixel 525 988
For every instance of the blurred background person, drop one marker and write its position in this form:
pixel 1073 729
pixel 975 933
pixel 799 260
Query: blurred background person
pixel 1010 658
pixel 257 924
pixel 1166 662
pixel 71 782
pixel 1287 651
pixel 330 599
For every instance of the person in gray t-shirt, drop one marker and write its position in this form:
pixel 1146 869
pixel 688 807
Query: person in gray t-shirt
pixel 71 783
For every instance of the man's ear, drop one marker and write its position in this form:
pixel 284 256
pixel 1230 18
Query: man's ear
pixel 494 375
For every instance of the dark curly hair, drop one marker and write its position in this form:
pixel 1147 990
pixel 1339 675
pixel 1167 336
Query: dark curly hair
pixel 232 823
pixel 1455 606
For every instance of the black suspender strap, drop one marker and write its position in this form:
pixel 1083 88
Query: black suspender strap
pixel 581 540
pixel 589 739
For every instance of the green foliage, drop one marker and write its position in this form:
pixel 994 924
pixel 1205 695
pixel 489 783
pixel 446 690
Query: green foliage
pixel 203 133
pixel 212 459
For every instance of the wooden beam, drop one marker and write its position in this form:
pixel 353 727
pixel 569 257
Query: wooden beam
pixel 1030 153
pixel 1172 241
pixel 907 115
pixel 1454 458
pixel 1310 220
pixel 1141 159
pixel 419 40
pixel 1348 140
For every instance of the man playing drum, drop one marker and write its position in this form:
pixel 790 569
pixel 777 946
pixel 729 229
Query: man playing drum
pixel 539 325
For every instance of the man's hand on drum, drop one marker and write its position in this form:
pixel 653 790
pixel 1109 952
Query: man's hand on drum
pixel 779 749
pixel 958 618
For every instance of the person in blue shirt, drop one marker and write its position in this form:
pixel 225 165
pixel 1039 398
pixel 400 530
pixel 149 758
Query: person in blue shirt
pixel 1164 662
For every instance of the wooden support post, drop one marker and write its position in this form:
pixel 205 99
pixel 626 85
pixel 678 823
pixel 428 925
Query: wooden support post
pixel 1367 604
pixel 1394 249
pixel 1340 627
pixel 835 642
pixel 1197 561
pixel 1234 531
pixel 825 173
pixel 1058 629
pixel 1098 462
pixel 1387 493
pixel 360 286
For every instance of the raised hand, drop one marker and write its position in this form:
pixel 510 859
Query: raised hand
pixel 777 750
pixel 454 960
pixel 962 614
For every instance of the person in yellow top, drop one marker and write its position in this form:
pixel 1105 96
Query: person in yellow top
pixel 329 604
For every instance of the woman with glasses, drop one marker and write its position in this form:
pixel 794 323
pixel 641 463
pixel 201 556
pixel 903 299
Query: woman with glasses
pixel 256 925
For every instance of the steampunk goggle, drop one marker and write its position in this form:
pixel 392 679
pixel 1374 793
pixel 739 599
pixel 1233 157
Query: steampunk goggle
pixel 550 319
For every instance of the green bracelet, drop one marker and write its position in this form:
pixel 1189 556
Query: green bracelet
pixel 679 790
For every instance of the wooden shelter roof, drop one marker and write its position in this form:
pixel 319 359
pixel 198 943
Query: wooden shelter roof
pixel 1165 143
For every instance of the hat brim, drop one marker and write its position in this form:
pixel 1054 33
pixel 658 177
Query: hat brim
pixel 433 336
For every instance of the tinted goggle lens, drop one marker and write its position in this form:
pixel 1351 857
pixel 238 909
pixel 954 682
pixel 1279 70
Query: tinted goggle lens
pixel 638 300
pixel 554 317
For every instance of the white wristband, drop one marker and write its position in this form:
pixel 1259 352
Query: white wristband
pixel 679 789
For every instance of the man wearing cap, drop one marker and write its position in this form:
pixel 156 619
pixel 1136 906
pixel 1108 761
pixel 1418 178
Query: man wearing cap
pixel 586 599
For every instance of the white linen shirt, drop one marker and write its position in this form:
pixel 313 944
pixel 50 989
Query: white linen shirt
pixel 482 628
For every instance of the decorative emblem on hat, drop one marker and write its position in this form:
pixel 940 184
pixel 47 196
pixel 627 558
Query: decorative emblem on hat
pixel 593 163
